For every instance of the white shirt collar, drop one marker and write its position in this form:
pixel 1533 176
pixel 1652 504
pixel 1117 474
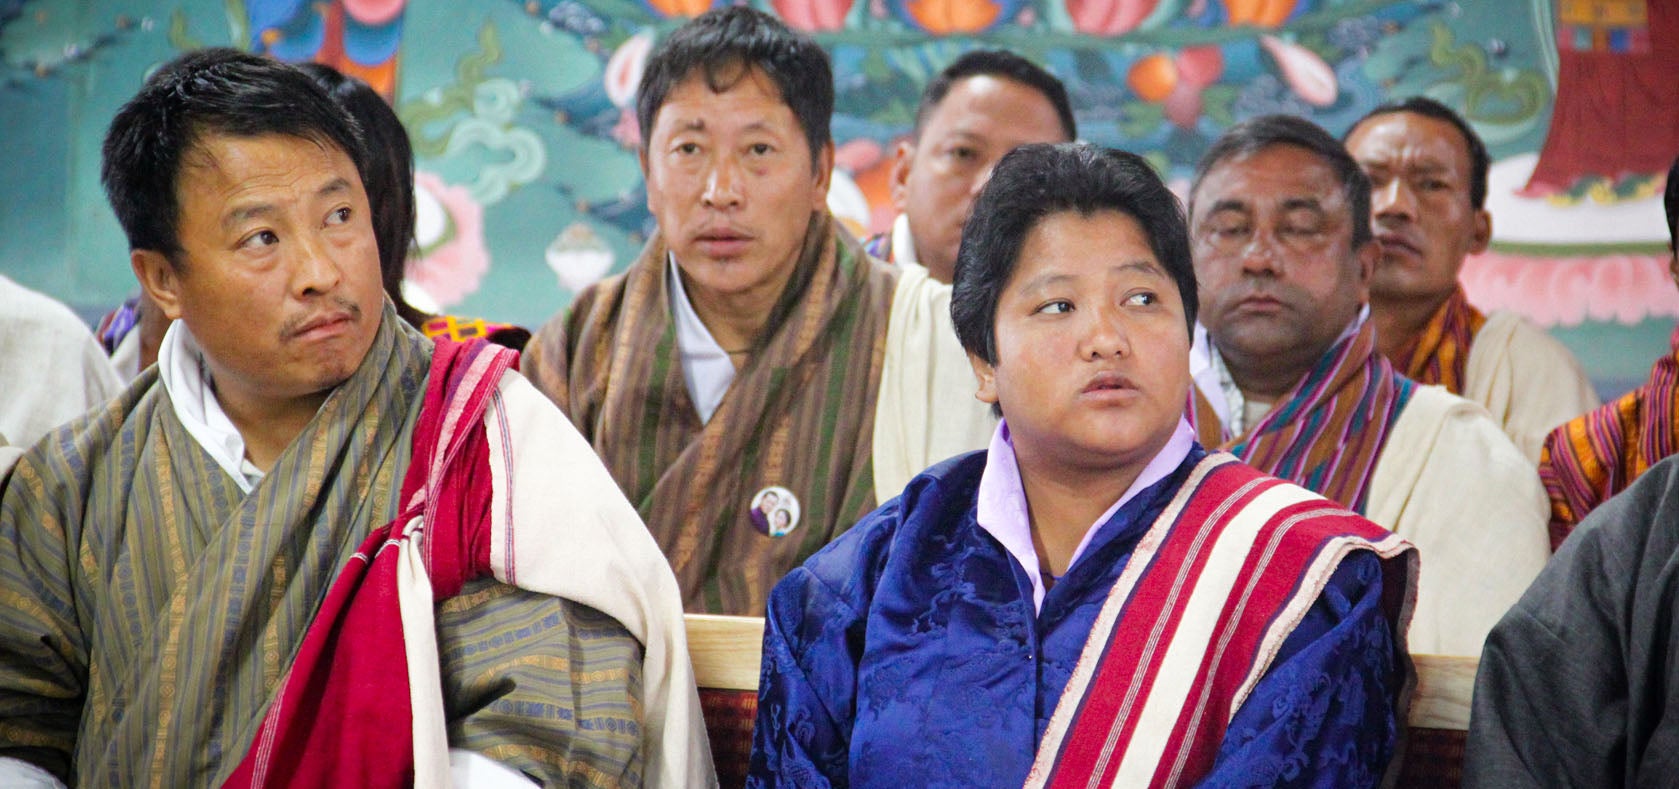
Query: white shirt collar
pixel 1001 506
pixel 706 368
pixel 903 242
pixel 186 378
pixel 1232 406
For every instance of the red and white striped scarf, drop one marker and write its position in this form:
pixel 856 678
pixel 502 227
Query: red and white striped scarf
pixel 1204 604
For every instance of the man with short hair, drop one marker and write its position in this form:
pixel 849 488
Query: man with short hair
pixel 980 107
pixel 753 344
pixel 297 550
pixel 1279 219
pixel 1597 455
pixel 1428 174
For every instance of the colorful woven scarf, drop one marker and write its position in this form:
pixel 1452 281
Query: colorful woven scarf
pixel 1328 433
pixel 1440 352
pixel 1595 456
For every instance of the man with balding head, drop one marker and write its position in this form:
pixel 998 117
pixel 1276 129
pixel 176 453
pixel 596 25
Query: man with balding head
pixel 1279 222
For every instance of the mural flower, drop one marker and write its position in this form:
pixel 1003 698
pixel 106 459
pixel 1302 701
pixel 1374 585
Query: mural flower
pixel 812 15
pixel 1258 13
pixel 624 68
pixel 374 12
pixel 681 8
pixel 1109 17
pixel 449 230
pixel 954 17
pixel 1176 81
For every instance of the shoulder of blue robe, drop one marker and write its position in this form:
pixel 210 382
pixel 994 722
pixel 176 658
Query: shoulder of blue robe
pixel 1325 713
pixel 814 631
pixel 1579 682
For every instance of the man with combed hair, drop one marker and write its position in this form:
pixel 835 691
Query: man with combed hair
pixel 1279 219
pixel 297 551
pixel 752 344
pixel 1095 599
pixel 983 105
pixel 1428 176
pixel 1597 455
pixel 1579 683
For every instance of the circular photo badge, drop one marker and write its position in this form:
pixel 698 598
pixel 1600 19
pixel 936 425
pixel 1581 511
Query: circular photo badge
pixel 775 511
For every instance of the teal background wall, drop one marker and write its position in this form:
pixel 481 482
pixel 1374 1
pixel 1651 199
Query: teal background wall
pixel 529 184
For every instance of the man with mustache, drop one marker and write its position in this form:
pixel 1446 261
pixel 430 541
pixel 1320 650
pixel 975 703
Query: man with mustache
pixel 1428 177
pixel 753 344
pixel 1279 222
pixel 296 550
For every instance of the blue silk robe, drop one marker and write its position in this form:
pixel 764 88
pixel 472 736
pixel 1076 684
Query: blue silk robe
pixel 907 653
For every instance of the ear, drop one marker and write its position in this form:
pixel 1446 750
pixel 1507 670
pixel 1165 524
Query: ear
pixel 159 279
pixel 903 157
pixel 1367 256
pixel 1673 264
pixel 986 375
pixel 1483 232
pixel 824 175
pixel 646 180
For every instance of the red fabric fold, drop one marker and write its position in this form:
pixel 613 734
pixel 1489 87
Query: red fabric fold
pixel 343 715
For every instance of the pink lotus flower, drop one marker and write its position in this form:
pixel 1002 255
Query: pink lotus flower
pixel 449 229
pixel 812 15
pixel 1618 288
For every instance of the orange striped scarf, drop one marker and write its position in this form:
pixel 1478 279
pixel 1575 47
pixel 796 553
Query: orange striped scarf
pixel 1440 352
pixel 1594 456
pixel 799 414
pixel 1328 433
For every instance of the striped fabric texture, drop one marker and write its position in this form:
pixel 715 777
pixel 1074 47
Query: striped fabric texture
pixel 1597 455
pixel 1439 354
pixel 1327 434
pixel 137 582
pixel 799 414
pixel 1215 587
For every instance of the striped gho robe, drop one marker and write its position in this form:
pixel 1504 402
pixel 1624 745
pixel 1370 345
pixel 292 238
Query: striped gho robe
pixel 1439 353
pixel 1327 433
pixel 1597 455
pixel 1190 628
pixel 151 610
pixel 799 414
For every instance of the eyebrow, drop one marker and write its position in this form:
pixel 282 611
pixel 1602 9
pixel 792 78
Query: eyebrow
pixel 1042 281
pixel 1298 203
pixel 243 213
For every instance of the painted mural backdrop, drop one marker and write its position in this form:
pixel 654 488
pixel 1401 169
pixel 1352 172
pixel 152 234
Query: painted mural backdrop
pixel 529 189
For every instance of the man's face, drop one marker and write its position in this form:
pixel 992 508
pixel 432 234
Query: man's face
pixel 1420 207
pixel 279 270
pixel 730 181
pixel 936 178
pixel 1272 238
pixel 1092 345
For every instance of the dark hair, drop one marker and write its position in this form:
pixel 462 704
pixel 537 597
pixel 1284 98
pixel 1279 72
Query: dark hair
pixel 1256 134
pixel 388 174
pixel 1670 202
pixel 199 94
pixel 997 63
pixel 1429 108
pixel 1030 184
pixel 724 45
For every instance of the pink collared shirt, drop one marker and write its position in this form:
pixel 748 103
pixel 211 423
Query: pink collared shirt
pixel 1002 499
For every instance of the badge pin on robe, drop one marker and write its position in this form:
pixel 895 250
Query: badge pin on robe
pixel 775 511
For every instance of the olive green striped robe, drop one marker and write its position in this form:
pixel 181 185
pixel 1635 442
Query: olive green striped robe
pixel 149 609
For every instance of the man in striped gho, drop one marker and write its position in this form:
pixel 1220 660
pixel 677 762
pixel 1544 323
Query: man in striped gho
pixel 1428 178
pixel 752 349
pixel 1280 223
pixel 297 551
